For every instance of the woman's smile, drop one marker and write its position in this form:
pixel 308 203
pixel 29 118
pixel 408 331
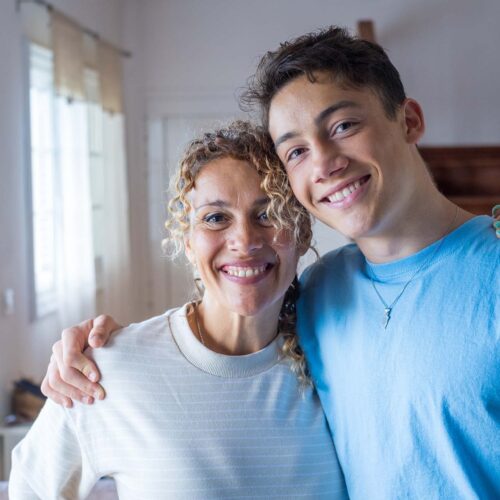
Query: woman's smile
pixel 247 273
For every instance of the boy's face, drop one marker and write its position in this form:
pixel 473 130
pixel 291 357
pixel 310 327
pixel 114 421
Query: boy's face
pixel 349 164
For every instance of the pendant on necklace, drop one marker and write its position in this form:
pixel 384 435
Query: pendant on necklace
pixel 387 316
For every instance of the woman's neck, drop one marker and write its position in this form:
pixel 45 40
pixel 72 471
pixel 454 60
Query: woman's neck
pixel 228 332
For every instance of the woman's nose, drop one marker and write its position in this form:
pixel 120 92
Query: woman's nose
pixel 246 238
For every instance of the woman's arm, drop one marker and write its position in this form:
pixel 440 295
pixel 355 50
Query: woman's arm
pixel 50 461
pixel 71 375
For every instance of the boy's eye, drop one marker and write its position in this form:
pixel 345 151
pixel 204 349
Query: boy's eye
pixel 295 153
pixel 343 127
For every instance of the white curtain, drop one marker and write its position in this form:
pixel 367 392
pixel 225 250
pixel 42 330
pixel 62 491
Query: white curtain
pixel 75 256
pixel 90 193
pixel 116 251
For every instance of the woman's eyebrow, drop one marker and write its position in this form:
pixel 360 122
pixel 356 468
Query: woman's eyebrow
pixel 215 203
pixel 224 204
pixel 262 201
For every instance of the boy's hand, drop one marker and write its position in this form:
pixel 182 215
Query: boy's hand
pixel 71 375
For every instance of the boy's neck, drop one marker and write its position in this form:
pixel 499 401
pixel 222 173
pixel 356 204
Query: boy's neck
pixel 421 225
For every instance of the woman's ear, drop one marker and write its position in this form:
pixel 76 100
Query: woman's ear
pixel 413 120
pixel 303 249
pixel 188 249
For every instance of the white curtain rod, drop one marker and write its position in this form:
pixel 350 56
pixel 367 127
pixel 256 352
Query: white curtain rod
pixel 93 34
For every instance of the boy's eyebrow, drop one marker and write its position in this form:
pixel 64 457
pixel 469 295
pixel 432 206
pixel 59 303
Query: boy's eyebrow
pixel 321 117
pixel 284 138
pixel 333 109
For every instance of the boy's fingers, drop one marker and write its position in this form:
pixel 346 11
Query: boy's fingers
pixel 74 384
pixel 74 360
pixel 54 395
pixel 69 354
pixel 75 372
pixel 56 389
pixel 103 327
pixel 59 391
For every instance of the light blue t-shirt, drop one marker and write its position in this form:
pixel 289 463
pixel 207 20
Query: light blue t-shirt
pixel 415 408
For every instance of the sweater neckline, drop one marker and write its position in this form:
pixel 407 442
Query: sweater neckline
pixel 220 365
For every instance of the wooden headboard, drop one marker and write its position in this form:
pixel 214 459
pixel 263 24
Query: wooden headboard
pixel 469 176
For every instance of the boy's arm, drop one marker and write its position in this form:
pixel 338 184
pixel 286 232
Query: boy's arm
pixel 71 375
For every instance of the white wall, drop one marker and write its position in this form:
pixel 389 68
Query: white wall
pixel 446 51
pixel 12 211
pixel 189 56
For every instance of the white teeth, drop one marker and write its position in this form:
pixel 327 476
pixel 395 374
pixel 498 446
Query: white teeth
pixel 245 272
pixel 343 193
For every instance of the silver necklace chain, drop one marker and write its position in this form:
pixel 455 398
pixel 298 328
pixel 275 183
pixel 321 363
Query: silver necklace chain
pixel 389 307
pixel 195 306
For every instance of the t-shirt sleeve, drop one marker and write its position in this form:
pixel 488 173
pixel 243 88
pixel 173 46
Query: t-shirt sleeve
pixel 50 461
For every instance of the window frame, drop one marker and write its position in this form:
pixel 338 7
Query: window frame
pixel 41 304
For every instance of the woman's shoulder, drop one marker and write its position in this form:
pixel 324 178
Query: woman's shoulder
pixel 143 339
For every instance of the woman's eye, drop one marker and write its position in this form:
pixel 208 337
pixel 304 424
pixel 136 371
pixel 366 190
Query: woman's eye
pixel 214 218
pixel 264 219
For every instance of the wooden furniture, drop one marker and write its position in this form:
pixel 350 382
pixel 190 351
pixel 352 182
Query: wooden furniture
pixel 366 30
pixel 469 176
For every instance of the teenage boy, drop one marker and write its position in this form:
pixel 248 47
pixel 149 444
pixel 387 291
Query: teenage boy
pixel 400 328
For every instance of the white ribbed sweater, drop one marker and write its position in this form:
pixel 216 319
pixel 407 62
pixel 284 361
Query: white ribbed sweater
pixel 180 421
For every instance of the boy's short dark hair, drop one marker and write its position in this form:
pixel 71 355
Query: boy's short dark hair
pixel 351 61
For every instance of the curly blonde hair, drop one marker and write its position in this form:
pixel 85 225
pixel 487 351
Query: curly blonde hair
pixel 244 141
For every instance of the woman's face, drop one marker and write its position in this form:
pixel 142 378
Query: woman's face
pixel 244 268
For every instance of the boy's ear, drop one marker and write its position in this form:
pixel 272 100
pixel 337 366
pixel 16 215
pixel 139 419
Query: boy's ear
pixel 413 120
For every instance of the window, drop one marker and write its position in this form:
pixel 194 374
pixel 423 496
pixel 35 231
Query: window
pixel 81 247
pixel 43 179
pixel 96 158
pixel 65 154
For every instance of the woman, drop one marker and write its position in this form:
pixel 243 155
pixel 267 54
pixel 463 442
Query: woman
pixel 209 400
